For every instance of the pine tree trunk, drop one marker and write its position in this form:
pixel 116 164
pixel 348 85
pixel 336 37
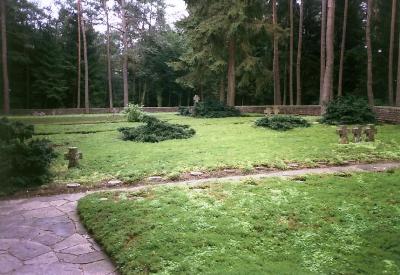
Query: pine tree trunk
pixel 231 73
pixel 299 49
pixel 285 75
pixel 369 54
pixel 291 99
pixel 85 61
pixel 144 93
pixel 391 48
pixel 398 77
pixel 328 76
pixel 78 96
pixel 323 48
pixel 125 53
pixel 342 48
pixel 222 91
pixel 110 93
pixel 6 88
pixel 277 78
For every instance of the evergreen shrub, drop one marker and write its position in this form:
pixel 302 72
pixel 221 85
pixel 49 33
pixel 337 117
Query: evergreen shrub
pixel 348 110
pixel 134 113
pixel 210 109
pixel 282 122
pixel 155 130
pixel 24 162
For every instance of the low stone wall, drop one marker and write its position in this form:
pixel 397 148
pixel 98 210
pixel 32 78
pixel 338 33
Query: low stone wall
pixel 388 114
pixel 75 111
pixel 384 114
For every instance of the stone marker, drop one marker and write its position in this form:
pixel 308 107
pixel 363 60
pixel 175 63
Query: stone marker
pixel 155 178
pixel 342 132
pixel 196 173
pixel 276 110
pixel 113 183
pixel 357 134
pixel 268 111
pixel 370 132
pixel 73 185
pixel 73 157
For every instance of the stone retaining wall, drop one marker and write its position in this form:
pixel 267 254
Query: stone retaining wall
pixel 384 114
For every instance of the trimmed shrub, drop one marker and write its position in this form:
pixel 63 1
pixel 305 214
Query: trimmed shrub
pixel 210 109
pixel 134 113
pixel 23 163
pixel 348 110
pixel 156 130
pixel 184 111
pixel 282 122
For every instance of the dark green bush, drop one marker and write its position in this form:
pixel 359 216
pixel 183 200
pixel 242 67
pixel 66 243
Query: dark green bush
pixel 348 110
pixel 210 109
pixel 23 163
pixel 282 122
pixel 10 130
pixel 156 130
pixel 184 111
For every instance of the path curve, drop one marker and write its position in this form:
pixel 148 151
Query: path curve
pixel 43 235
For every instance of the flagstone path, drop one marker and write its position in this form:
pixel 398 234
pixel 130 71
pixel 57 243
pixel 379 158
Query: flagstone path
pixel 43 235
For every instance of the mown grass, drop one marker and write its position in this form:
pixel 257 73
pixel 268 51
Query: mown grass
pixel 319 225
pixel 218 143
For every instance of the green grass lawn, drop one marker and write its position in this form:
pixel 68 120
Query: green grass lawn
pixel 218 143
pixel 316 225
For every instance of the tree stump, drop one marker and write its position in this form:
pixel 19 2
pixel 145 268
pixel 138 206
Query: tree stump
pixel 357 133
pixel 370 132
pixel 73 157
pixel 342 132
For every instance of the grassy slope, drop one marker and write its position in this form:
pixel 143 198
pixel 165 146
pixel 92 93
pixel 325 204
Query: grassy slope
pixel 228 142
pixel 324 225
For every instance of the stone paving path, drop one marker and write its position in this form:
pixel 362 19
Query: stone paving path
pixel 43 235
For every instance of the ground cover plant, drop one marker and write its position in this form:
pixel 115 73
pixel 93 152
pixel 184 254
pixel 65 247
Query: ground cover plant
pixel 282 122
pixel 210 109
pixel 24 162
pixel 339 224
pixel 156 130
pixel 348 110
pixel 219 143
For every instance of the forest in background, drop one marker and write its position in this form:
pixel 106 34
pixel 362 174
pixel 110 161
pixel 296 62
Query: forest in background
pixel 107 53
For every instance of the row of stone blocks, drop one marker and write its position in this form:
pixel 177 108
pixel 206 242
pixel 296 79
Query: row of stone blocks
pixel 369 132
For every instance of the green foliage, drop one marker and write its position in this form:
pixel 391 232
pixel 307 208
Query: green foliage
pixel 348 110
pixel 324 225
pixel 134 112
pixel 282 122
pixel 10 130
pixel 184 111
pixel 156 130
pixel 214 109
pixel 22 163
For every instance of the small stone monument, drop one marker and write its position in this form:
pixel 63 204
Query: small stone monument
pixel 342 132
pixel 196 99
pixel 73 157
pixel 276 110
pixel 357 134
pixel 370 132
pixel 268 111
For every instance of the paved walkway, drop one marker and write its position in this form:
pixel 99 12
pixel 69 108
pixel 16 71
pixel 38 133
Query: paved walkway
pixel 43 235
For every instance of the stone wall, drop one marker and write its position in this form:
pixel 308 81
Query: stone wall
pixel 74 111
pixel 388 114
pixel 384 114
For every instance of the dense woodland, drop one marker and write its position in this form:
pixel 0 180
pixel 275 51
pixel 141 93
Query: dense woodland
pixel 106 53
